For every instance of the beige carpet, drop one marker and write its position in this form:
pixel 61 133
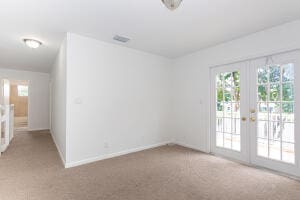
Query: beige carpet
pixel 31 170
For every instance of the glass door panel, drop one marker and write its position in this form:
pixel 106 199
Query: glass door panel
pixel 275 112
pixel 228 110
pixel 274 142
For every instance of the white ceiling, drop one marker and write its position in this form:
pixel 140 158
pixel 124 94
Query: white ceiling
pixel 153 28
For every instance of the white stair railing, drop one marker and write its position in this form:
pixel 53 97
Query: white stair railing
pixel 11 121
pixel 6 126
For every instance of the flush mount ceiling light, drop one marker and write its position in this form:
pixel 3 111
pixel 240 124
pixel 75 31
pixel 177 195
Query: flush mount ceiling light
pixel 31 43
pixel 121 38
pixel 172 4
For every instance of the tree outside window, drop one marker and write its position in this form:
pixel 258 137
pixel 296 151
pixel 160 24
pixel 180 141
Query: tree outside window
pixel 22 90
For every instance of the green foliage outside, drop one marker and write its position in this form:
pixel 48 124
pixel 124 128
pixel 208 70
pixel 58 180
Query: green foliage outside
pixel 268 79
pixel 230 81
pixel 275 88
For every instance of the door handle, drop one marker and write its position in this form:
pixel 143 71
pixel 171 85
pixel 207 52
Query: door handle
pixel 252 115
pixel 244 119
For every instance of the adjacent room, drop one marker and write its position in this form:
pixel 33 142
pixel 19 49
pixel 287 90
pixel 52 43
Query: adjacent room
pixel 160 99
pixel 19 98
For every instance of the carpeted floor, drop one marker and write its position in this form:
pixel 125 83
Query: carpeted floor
pixel 31 170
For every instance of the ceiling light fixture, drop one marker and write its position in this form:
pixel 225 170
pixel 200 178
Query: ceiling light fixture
pixel 31 43
pixel 172 4
pixel 121 38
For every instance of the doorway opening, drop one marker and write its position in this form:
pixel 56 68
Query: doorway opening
pixel 19 98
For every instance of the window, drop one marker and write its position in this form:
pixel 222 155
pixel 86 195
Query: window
pixel 22 90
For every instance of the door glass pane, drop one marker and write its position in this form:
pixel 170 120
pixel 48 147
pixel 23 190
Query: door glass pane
pixel 227 140
pixel 220 95
pixel 288 112
pixel 288 152
pixel 274 149
pixel 274 130
pixel 262 147
pixel 236 78
pixel 262 92
pixel 220 109
pixel 236 94
pixel 227 125
pixel 228 110
pixel 236 140
pixel 287 92
pixel 227 94
pixel 219 80
pixel 274 92
pixel 262 129
pixel 219 139
pixel 288 72
pixel 262 73
pixel 287 132
pixel 275 112
pixel 236 126
pixel 219 125
pixel 227 80
pixel 262 110
pixel 274 74
pixel 236 110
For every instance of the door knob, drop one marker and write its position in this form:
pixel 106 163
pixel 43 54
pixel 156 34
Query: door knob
pixel 252 111
pixel 244 119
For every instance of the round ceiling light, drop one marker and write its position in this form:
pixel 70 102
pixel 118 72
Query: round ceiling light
pixel 172 4
pixel 31 43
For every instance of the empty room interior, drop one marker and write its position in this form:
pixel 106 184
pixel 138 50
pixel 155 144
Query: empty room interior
pixel 144 100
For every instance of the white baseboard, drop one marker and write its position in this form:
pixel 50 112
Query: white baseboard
pixel 191 147
pixel 112 155
pixel 59 151
pixel 39 129
pixel 103 157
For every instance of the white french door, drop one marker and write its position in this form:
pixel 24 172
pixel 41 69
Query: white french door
pixel 273 112
pixel 254 110
pixel 230 96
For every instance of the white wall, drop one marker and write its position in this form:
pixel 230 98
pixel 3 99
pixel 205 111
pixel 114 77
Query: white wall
pixel 38 101
pixel 191 78
pixel 115 96
pixel 119 99
pixel 58 101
